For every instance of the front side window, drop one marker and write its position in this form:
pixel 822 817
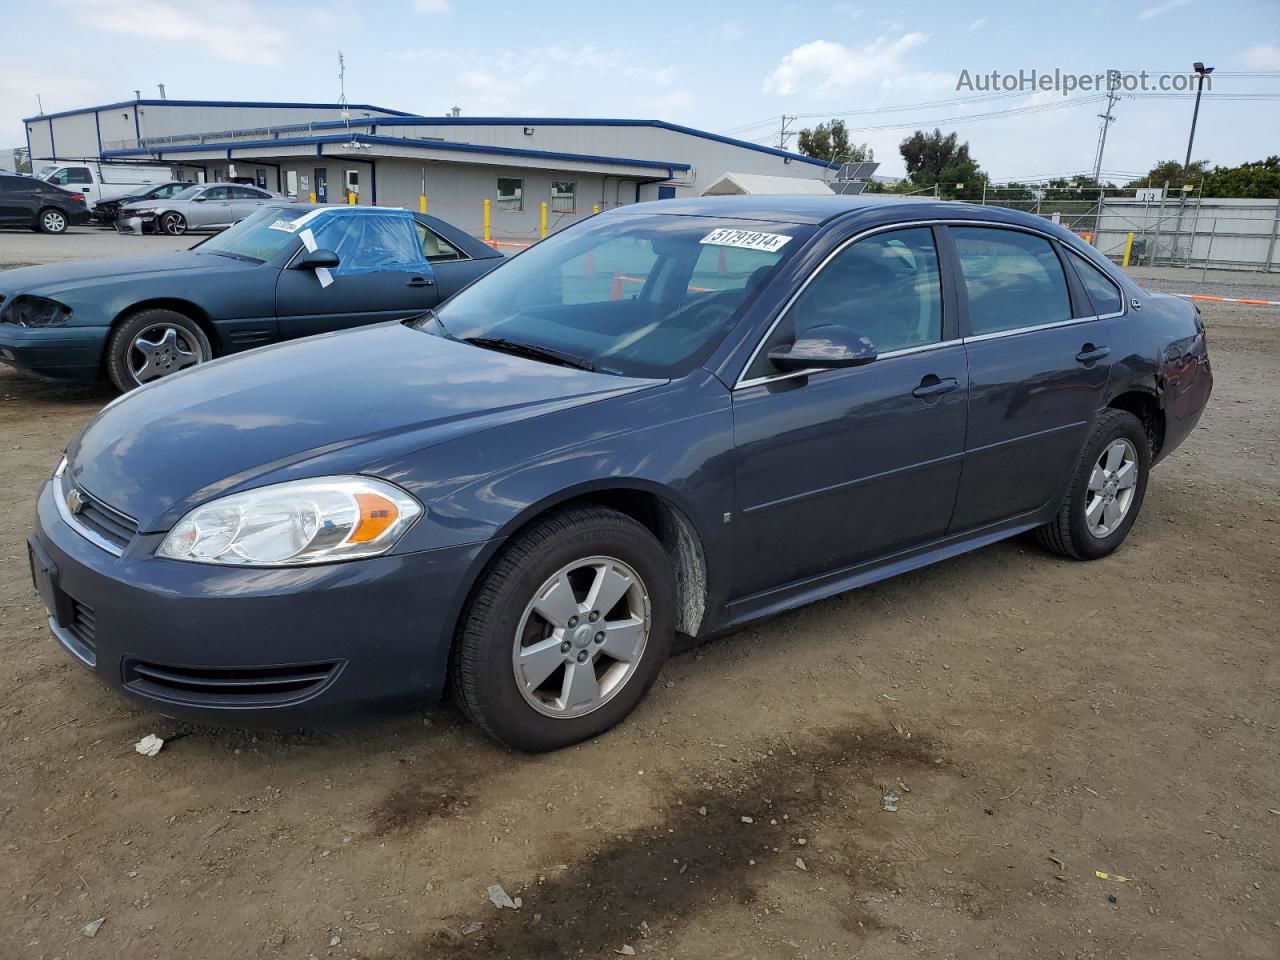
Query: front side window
pixel 218 193
pixel 365 241
pixel 1102 290
pixel 510 193
pixel 886 287
pixel 562 195
pixel 1013 279
pixel 71 175
pixel 636 295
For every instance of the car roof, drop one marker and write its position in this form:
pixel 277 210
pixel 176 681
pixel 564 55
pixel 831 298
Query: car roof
pixel 817 210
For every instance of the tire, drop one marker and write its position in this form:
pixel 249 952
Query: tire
pixel 51 220
pixel 501 627
pixel 1083 530
pixel 171 223
pixel 165 340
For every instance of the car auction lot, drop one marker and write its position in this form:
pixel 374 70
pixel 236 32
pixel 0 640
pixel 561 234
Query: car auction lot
pixel 1037 719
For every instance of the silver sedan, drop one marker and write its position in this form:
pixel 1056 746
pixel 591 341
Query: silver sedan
pixel 205 206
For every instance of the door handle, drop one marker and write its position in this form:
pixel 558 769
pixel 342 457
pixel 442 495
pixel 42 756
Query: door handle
pixel 931 386
pixel 1089 353
pixel 420 282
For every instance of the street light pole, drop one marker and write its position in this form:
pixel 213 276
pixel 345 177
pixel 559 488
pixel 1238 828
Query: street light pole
pixel 1203 72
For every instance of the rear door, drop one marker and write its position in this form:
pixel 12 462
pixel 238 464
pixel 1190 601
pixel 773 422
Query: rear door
pixel 1038 364
pixel 15 201
pixel 211 209
pixel 246 200
pixel 382 275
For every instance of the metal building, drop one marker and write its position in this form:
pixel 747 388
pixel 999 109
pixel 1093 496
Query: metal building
pixel 392 158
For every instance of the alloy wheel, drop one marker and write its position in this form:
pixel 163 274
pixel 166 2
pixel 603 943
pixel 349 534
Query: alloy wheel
pixel 581 637
pixel 173 224
pixel 162 349
pixel 54 222
pixel 1112 486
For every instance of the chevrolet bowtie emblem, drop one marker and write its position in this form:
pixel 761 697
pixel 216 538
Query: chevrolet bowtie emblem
pixel 75 502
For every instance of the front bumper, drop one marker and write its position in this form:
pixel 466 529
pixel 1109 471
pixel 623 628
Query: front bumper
pixel 240 647
pixel 61 353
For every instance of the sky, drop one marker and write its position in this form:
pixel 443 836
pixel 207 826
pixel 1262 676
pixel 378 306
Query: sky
pixel 725 67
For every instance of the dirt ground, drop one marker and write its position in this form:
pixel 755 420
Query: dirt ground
pixel 1038 720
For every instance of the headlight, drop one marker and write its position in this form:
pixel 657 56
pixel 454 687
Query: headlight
pixel 303 521
pixel 39 312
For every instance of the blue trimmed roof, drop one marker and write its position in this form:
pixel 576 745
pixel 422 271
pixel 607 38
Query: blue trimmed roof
pixel 229 146
pixel 216 103
pixel 401 118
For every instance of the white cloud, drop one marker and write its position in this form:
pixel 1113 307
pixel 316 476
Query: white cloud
pixel 825 66
pixel 978 24
pixel 1262 57
pixel 431 6
pixel 1162 8
pixel 237 34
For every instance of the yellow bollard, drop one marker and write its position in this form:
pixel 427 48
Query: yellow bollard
pixel 595 208
pixel 422 203
pixel 486 220
pixel 542 220
pixel 312 195
pixel 1128 249
pixel 351 198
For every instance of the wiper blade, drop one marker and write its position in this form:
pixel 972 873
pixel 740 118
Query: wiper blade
pixel 431 315
pixel 533 351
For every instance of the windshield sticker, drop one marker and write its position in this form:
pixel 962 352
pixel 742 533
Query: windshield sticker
pixel 288 226
pixel 746 239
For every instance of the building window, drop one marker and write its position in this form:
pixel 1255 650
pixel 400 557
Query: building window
pixel 510 193
pixel 291 183
pixel 562 196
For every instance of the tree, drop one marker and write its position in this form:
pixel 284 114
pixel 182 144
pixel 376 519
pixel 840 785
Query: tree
pixel 1174 172
pixel 932 159
pixel 830 142
pixel 1257 180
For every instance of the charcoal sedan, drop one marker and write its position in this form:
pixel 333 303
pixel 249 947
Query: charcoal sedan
pixel 287 271
pixel 672 418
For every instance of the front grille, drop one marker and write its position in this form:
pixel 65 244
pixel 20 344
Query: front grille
pixel 229 686
pixel 99 520
pixel 83 624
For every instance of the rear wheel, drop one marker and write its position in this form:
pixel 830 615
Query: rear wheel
pixel 173 223
pixel 1106 492
pixel 566 632
pixel 153 344
pixel 50 220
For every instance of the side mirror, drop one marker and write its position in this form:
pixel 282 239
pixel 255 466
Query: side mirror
pixel 316 259
pixel 200 199
pixel 825 347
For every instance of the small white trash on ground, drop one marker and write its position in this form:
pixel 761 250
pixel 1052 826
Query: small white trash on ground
pixel 149 745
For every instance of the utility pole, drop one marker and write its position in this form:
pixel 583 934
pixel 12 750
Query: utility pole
pixel 783 134
pixel 1203 72
pixel 1113 83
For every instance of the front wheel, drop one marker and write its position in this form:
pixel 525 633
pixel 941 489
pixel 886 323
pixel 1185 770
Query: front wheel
pixel 153 344
pixel 174 224
pixel 567 630
pixel 1106 491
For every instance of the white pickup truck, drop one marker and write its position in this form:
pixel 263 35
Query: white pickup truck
pixel 103 181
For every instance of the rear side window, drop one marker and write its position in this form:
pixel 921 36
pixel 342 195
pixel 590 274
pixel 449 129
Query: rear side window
pixel 1102 290
pixel 885 287
pixel 436 248
pixel 1013 279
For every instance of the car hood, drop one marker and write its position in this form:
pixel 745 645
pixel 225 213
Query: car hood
pixel 50 279
pixel 338 403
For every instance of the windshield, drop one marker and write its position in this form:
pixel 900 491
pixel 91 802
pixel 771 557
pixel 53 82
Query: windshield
pixel 47 169
pixel 641 296
pixel 255 237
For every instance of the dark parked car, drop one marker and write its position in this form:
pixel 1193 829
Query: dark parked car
pixel 106 211
pixel 28 202
pixel 531 490
pixel 137 319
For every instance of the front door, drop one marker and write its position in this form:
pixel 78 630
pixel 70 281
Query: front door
pixel 211 209
pixel 840 467
pixel 1038 365
pixel 322 185
pixel 382 275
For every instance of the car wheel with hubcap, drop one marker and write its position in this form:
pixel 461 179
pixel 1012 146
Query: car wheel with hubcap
pixel 1106 492
pixel 173 223
pixel 153 344
pixel 566 631
pixel 52 221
